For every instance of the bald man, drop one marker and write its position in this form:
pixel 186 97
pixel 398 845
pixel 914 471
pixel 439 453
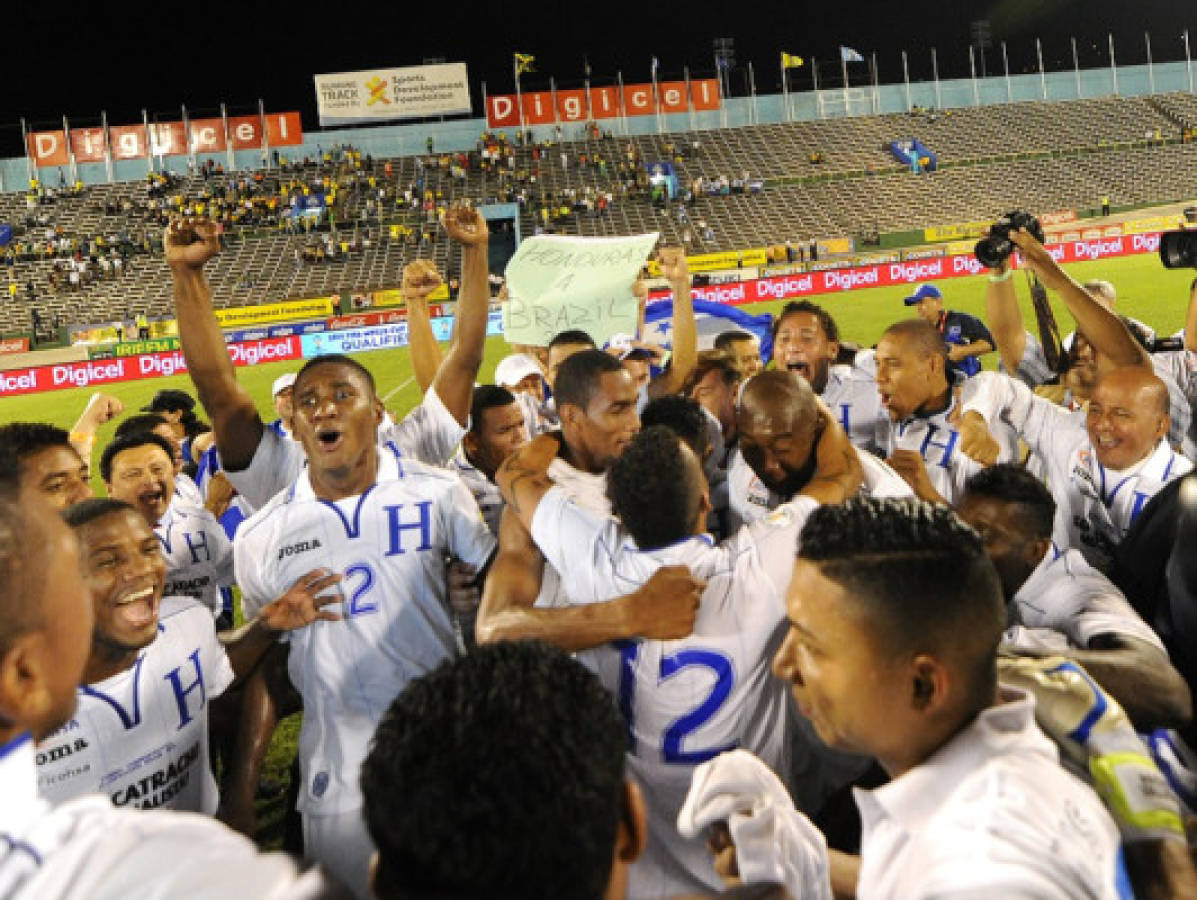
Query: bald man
pixel 779 423
pixel 86 848
pixel 1101 473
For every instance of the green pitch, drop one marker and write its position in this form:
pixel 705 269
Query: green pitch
pixel 1146 291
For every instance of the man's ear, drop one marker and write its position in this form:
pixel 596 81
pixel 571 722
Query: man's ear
pixel 633 825
pixel 470 442
pixel 929 684
pixel 24 693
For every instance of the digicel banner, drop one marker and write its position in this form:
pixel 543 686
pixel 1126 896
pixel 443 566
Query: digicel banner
pixel 132 368
pixel 785 287
pixel 49 148
pixel 601 103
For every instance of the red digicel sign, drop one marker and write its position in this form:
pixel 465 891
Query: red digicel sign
pixel 785 287
pixel 133 368
pixel 50 148
pixel 576 105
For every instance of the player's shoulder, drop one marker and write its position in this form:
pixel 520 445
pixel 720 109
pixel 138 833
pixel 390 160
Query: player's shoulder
pixel 265 521
pixel 413 472
pixel 183 612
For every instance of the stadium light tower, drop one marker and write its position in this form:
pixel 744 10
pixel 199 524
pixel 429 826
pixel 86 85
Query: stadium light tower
pixel 982 39
pixel 725 60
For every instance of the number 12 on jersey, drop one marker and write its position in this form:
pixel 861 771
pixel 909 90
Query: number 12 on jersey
pixel 675 734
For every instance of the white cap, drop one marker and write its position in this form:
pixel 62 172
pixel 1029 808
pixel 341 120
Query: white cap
pixel 513 369
pixel 282 383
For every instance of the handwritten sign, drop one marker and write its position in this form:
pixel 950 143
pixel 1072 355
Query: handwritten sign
pixel 557 283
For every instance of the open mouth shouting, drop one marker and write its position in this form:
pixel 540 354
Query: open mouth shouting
pixel 329 439
pixel 137 608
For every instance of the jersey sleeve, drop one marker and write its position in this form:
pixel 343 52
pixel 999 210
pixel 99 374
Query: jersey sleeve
pixel 248 562
pixel 571 539
pixel 1033 369
pixel 428 433
pixel 775 538
pixel 223 566
pixel 470 540
pixel 277 462
pixel 1044 426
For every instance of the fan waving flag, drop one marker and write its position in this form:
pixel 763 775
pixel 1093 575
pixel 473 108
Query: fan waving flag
pixel 789 61
pixel 523 63
pixel 847 54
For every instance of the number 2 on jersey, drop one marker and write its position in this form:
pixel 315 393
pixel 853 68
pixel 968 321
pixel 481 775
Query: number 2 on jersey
pixel 681 727
pixel 357 605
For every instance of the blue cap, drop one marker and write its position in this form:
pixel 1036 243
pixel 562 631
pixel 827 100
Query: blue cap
pixel 922 292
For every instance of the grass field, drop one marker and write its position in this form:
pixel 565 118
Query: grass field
pixel 1146 291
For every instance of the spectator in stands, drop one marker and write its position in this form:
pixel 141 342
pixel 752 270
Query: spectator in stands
pixel 966 336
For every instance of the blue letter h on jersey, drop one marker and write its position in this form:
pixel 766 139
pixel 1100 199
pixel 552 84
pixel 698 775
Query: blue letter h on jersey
pixel 396 527
pixel 194 548
pixel 181 690
pixel 948 448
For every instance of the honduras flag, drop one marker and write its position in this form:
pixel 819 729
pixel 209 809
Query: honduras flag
pixel 847 54
pixel 712 320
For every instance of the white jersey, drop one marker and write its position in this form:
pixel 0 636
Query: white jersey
pixel 1069 597
pixel 1178 370
pixel 85 849
pixel 937 441
pixel 188 490
pixel 590 491
pixel 141 736
pixel 852 396
pixel 1033 369
pixel 685 701
pixel 198 553
pixel 1094 505
pixel 428 433
pixel 486 493
pixel 749 499
pixel 391 544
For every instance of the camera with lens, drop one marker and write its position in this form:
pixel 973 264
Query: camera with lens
pixel 995 249
pixel 1178 249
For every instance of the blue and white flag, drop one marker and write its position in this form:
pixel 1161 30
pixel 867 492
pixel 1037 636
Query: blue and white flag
pixel 847 54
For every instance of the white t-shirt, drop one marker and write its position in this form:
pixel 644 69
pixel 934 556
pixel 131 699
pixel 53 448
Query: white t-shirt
pixel 428 433
pixel 486 493
pixel 1068 596
pixel 590 491
pixel 852 396
pixel 990 814
pixel 1094 506
pixel 749 499
pixel 141 736
pixel 391 543
pixel 85 849
pixel 685 701
pixel 198 553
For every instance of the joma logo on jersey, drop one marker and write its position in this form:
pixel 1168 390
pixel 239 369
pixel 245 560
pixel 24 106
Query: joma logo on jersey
pixel 301 547
pixel 62 751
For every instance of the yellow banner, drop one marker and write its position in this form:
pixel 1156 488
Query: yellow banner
pixel 960 248
pixel 393 297
pixel 1155 223
pixel 289 311
pixel 955 232
pixel 835 246
pixel 710 262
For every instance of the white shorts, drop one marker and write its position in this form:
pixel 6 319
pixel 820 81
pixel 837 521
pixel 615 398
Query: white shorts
pixel 341 844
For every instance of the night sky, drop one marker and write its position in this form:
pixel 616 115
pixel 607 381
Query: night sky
pixel 122 57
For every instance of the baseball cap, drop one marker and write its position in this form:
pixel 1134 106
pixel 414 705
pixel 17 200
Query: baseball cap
pixel 625 348
pixel 922 292
pixel 282 383
pixel 513 369
pixel 170 401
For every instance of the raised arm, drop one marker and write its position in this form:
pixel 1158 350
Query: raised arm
pixel 1191 318
pixel 1100 325
pixel 685 328
pixel 1004 317
pixel 454 381
pixel 420 278
pixel 189 244
pixel 101 408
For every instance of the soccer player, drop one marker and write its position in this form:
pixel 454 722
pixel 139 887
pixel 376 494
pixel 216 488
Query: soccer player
pixel 387 523
pixel 1057 603
pixel 922 437
pixel 85 847
pixel 38 462
pixel 1100 473
pixel 744 350
pixel 779 426
pixel 684 701
pixel 258 461
pixel 140 732
pixel 551 781
pixel 978 805
pixel 497 427
pixel 806 340
pixel 139 470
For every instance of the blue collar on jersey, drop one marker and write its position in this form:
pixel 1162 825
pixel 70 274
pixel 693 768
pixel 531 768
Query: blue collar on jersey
pixel 15 744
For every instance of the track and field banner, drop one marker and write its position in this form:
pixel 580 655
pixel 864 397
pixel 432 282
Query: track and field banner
pixel 381 95
pixel 955 232
pixel 383 337
pixel 728 259
pixel 287 311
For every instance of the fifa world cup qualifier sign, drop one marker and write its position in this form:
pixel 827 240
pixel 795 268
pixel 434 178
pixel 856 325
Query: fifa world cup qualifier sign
pixel 379 95
pixel 559 283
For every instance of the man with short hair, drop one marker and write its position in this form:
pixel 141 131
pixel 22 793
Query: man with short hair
pixel 1057 603
pixel 37 461
pixel 806 341
pixel 562 346
pixel 553 777
pixel 744 350
pixel 978 805
pixel 138 469
pixel 497 428
pixel 966 336
pixel 684 701
pixel 1101 472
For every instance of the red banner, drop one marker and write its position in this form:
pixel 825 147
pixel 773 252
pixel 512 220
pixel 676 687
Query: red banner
pixel 605 103
pixel 49 148
pixel 131 368
pixel 367 319
pixel 785 287
pixel 14 345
